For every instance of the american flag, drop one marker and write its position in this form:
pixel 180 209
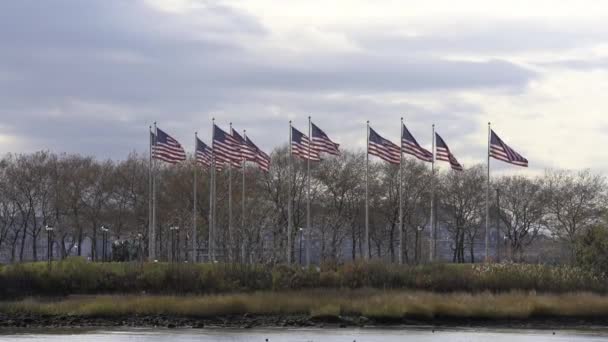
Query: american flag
pixel 204 154
pixel 409 145
pixel 443 153
pixel 322 143
pixel 300 146
pixel 167 149
pixel 247 153
pixel 501 151
pixel 226 148
pixel 383 148
pixel 261 158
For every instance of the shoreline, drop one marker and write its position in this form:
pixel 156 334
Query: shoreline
pixel 248 321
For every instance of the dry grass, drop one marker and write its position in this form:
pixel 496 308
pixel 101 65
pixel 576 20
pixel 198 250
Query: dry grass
pixel 370 303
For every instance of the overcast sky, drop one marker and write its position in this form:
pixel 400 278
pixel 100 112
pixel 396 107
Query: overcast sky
pixel 90 76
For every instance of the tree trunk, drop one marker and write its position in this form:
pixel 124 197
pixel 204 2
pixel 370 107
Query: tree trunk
pixel 472 250
pixel 35 245
pixel 22 249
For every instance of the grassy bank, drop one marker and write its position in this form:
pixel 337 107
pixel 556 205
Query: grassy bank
pixel 373 304
pixel 76 276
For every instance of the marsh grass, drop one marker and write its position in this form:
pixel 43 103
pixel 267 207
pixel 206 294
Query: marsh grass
pixel 364 302
pixel 77 276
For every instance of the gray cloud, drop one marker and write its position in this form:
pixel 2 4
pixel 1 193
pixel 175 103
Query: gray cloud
pixel 92 75
pixel 486 37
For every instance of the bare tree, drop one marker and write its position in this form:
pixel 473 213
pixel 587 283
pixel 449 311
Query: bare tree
pixel 416 204
pixel 462 200
pixel 574 203
pixel 522 209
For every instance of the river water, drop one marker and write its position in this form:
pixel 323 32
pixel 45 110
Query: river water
pixel 304 335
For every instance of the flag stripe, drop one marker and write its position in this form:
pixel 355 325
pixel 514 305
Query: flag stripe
pixel 410 146
pixel 167 149
pixel 322 143
pixel 301 147
pixel 501 151
pixel 443 153
pixel 383 148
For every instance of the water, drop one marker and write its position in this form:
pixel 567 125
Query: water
pixel 304 335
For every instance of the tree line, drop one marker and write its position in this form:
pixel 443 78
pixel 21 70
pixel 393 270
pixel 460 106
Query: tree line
pixel 78 194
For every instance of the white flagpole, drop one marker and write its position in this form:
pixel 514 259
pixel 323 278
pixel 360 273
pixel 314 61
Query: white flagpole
pixel 194 235
pixel 150 241
pixel 432 219
pixel 230 233
pixel 152 246
pixel 289 201
pixel 401 196
pixel 367 249
pixel 488 195
pixel 211 186
pixel 243 208
pixel 308 224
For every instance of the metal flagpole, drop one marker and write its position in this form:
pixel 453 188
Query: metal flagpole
pixel 152 246
pixel 289 204
pixel 150 255
pixel 401 197
pixel 488 194
pixel 194 244
pixel 432 220
pixel 230 233
pixel 308 197
pixel 498 225
pixel 367 250
pixel 211 186
pixel 243 208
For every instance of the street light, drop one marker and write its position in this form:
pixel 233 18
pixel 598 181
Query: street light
pixel 104 239
pixel 139 247
pixel 49 243
pixel 174 242
pixel 301 236
pixel 419 243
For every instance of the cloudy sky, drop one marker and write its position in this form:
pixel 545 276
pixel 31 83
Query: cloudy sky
pixel 90 76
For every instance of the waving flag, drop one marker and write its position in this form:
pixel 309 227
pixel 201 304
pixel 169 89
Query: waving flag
pixel 167 149
pixel 501 151
pixel 409 145
pixel 261 158
pixel 443 153
pixel 226 148
pixel 322 143
pixel 246 152
pixel 203 153
pixel 383 148
pixel 300 146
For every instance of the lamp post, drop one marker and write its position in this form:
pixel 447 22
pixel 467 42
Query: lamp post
pixel 139 247
pixel 174 232
pixel 104 241
pixel 49 243
pixel 301 235
pixel 419 244
pixel 497 225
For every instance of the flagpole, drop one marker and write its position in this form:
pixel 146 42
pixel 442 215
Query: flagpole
pixel 367 250
pixel 230 233
pixel 432 219
pixel 401 197
pixel 488 194
pixel 308 197
pixel 211 185
pixel 289 204
pixel 243 206
pixel 152 246
pixel 194 237
pixel 150 256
